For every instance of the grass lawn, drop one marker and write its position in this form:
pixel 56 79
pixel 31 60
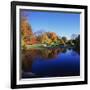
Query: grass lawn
pixel 41 46
pixel 35 46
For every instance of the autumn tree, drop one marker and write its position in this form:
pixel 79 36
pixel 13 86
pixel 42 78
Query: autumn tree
pixel 45 39
pixel 26 32
pixel 53 36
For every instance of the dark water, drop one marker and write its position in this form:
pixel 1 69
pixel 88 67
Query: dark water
pixel 56 62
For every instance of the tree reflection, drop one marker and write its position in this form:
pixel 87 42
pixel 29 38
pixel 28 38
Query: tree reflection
pixel 28 56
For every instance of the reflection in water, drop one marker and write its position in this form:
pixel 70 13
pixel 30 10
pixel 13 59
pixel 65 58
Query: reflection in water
pixel 50 62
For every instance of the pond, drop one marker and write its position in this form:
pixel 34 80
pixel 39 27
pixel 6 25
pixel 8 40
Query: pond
pixel 55 62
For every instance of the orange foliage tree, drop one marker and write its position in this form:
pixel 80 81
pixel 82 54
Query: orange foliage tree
pixel 26 32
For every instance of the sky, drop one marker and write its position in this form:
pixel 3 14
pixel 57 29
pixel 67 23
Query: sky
pixel 63 24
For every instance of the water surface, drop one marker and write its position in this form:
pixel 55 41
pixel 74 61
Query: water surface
pixel 55 62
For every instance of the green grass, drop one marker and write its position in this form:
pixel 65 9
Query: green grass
pixel 40 46
pixel 35 46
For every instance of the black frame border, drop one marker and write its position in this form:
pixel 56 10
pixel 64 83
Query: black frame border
pixel 13 44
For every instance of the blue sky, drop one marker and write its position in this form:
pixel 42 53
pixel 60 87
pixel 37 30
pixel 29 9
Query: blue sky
pixel 63 24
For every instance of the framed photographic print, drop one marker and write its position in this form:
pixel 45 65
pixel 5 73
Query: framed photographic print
pixel 48 44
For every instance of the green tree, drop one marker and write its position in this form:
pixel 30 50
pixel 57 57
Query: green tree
pixel 64 39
